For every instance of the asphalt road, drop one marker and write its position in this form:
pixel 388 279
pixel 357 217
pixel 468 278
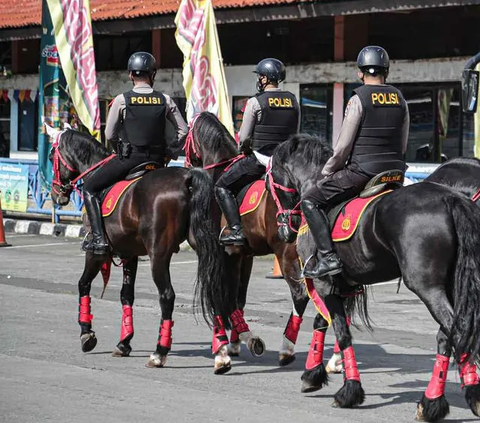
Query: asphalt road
pixel 44 376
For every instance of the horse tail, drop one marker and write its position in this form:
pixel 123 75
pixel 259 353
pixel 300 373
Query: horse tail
pixel 212 290
pixel 466 288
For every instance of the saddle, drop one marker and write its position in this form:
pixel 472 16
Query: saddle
pixel 344 217
pixel 111 195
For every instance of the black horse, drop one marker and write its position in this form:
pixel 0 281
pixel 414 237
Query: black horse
pixel 154 216
pixel 209 144
pixel 427 233
pixel 462 174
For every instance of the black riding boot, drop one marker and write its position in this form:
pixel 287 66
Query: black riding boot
pixel 329 263
pixel 228 205
pixel 98 244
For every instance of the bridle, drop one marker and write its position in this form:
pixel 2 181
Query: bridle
pixel 191 149
pixel 295 211
pixel 65 189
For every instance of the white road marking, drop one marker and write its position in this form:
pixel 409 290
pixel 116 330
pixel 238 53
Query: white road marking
pixel 173 262
pixel 40 245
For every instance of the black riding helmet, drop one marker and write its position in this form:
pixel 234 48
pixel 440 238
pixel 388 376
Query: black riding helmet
pixel 373 60
pixel 142 63
pixel 273 69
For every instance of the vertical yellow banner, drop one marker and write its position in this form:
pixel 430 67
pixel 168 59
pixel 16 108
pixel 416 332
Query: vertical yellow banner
pixel 203 73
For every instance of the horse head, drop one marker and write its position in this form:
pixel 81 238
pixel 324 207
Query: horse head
pixel 208 141
pixel 63 173
pixel 289 175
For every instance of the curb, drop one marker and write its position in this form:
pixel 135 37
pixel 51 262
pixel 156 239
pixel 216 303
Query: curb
pixel 34 227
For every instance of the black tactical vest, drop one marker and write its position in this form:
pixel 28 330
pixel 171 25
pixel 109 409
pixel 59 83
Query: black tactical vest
pixel 144 122
pixel 279 120
pixel 378 144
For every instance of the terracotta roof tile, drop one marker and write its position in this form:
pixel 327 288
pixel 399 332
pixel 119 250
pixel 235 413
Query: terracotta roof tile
pixel 21 13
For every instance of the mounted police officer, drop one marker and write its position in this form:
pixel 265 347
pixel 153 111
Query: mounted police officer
pixel 373 139
pixel 268 120
pixel 143 125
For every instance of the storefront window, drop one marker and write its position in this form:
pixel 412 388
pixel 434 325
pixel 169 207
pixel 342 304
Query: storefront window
pixel 4 127
pixel 316 110
pixel 27 125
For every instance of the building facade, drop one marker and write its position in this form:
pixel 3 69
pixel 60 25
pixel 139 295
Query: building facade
pixel 428 41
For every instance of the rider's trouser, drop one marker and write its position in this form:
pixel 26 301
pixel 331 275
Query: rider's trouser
pixel 111 172
pixel 336 188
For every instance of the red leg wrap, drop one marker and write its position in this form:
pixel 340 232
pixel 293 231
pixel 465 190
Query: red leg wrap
pixel 436 386
pixel 84 315
pixel 127 322
pixel 350 365
pixel 234 336
pixel 165 335
pixel 468 372
pixel 238 322
pixel 219 335
pixel 293 327
pixel 315 353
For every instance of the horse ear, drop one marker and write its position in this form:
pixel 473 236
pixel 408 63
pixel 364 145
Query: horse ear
pixel 66 125
pixel 51 132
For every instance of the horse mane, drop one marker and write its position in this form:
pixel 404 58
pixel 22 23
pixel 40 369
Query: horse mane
pixel 213 134
pixel 312 149
pixel 466 186
pixel 82 146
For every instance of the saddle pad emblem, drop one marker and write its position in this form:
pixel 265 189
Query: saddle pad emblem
pixel 347 223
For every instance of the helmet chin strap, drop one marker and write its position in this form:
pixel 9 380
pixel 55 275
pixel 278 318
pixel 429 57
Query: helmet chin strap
pixel 260 86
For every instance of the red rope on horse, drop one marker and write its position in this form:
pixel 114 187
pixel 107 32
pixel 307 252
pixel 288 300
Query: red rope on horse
pixel 476 197
pixel 295 211
pixel 58 158
pixel 190 144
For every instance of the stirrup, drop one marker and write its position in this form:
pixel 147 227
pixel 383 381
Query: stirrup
pixel 226 241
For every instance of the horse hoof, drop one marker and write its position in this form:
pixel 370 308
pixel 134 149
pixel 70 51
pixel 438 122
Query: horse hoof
pixel 314 379
pixel 432 410
pixel 122 350
pixel 286 359
pixel 334 365
pixel 156 361
pixel 221 370
pixel 256 346
pixel 350 395
pixel 472 396
pixel 88 341
pixel 234 349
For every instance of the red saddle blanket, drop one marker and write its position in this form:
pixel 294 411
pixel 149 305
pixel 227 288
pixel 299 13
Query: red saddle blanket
pixel 347 220
pixel 114 194
pixel 252 197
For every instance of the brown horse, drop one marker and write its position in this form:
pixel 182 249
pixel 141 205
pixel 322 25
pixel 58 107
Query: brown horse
pixel 210 145
pixel 157 213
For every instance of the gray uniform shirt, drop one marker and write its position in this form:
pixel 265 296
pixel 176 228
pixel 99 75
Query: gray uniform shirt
pixel 175 127
pixel 346 139
pixel 251 116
